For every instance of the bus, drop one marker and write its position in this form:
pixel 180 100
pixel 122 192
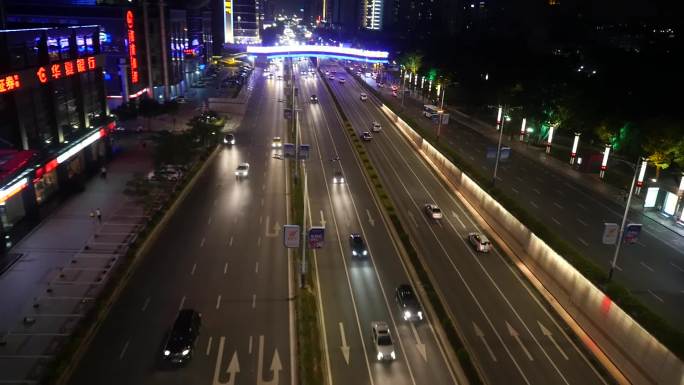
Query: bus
pixel 430 111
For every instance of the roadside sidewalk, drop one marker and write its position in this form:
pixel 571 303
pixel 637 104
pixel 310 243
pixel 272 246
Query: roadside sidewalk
pixel 64 263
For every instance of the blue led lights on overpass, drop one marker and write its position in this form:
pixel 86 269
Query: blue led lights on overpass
pixel 320 51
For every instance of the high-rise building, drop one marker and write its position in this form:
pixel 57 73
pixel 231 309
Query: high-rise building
pixel 242 21
pixel 372 14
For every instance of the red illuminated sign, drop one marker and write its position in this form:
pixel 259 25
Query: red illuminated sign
pixel 66 69
pixel 9 83
pixel 132 43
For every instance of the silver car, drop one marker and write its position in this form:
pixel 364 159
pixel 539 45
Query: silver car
pixel 242 170
pixel 382 340
pixel 480 242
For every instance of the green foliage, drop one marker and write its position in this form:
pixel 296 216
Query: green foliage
pixel 174 149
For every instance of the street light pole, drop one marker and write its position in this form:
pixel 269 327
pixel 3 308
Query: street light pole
pixel 622 226
pixel 498 147
pixel 441 113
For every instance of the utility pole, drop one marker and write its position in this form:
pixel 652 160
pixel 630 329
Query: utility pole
pixel 498 147
pixel 441 114
pixel 622 226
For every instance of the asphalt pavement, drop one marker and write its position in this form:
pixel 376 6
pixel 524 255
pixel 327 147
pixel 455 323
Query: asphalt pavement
pixel 221 254
pixel 576 206
pixel 505 324
pixel 355 292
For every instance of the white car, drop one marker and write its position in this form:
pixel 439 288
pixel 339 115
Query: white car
pixel 480 242
pixel 342 80
pixel 277 142
pixel 375 127
pixel 382 340
pixel 433 211
pixel 366 136
pixel 338 177
pixel 364 96
pixel 242 170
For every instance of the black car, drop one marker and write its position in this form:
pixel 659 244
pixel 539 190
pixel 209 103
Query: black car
pixel 408 303
pixel 358 246
pixel 181 341
pixel 314 99
pixel 229 139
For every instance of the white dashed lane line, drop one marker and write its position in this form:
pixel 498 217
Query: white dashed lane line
pixel 218 302
pixel 582 241
pixel 647 267
pixel 202 243
pixel 677 267
pixel 534 204
pixel 194 266
pixel 654 295
pixel 582 222
pixel 558 205
pixel 555 220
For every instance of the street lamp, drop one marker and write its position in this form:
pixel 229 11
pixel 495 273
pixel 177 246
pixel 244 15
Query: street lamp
pixel 604 162
pixel 523 129
pixel 640 179
pixel 573 152
pixel 550 139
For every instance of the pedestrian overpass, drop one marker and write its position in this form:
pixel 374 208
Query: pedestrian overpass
pixel 319 51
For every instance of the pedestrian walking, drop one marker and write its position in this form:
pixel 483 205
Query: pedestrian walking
pixel 103 172
pixel 98 214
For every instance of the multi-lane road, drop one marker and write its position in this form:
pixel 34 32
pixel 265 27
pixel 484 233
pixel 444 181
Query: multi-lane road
pixel 506 325
pixel 220 254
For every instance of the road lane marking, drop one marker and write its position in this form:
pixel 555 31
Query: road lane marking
pixel 194 266
pixel 537 191
pixel 249 350
pixel 656 297
pixel 218 301
pixel 230 243
pixel 519 178
pixel 534 204
pixel 558 205
pixel 516 337
pixel 209 345
pixel 370 219
pixel 676 267
pixel 555 220
pixel 259 241
pixel 263 187
pixel 262 202
pixel 322 219
pixel 647 266
pixel 182 302
pixel 413 219
pixel 209 220
pixel 344 347
pixel 123 351
pixel 225 268
pixel 582 241
pixel 515 190
pixel 419 345
pixel 549 335
pixel 582 222
pixel 261 219
pixel 202 243
pixel 253 301
pixel 256 268
pixel 581 206
pixel 458 219
pixel 480 334
pixel 147 302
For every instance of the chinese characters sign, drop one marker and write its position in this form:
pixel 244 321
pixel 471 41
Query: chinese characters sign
pixel 65 69
pixel 132 44
pixel 9 83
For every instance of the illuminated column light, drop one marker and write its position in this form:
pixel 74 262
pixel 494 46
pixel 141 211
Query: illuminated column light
pixel 523 129
pixel 548 142
pixel 575 143
pixel 640 178
pixel 604 162
pixel 498 118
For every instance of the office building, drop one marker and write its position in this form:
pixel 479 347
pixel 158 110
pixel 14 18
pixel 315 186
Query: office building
pixel 372 14
pixel 242 21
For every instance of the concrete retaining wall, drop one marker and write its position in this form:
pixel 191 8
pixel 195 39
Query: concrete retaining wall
pixel 633 351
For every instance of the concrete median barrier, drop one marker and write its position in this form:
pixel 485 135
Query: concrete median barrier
pixel 627 350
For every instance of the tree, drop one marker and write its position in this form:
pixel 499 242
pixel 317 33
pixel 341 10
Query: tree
pixel 664 147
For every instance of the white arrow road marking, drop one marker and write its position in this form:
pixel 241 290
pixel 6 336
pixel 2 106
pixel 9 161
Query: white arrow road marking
pixel 480 334
pixel 276 228
pixel 514 334
pixel 233 369
pixel 370 219
pixel 413 219
pixel 459 219
pixel 344 347
pixel 322 219
pixel 419 345
pixel 276 365
pixel 546 332
pixel 219 358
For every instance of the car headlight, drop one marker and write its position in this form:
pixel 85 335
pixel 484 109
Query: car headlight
pixel 365 252
pixel 224 140
pixel 420 314
pixel 407 315
pixel 394 356
pixel 232 141
pixel 341 180
pixel 353 252
pixel 186 352
pixel 167 352
pixel 379 356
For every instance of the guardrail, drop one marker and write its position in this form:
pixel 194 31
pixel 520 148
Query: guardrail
pixel 638 356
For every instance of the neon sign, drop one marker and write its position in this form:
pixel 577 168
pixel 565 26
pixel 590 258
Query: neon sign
pixel 12 190
pixel 65 69
pixel 317 49
pixel 80 146
pixel 9 83
pixel 132 53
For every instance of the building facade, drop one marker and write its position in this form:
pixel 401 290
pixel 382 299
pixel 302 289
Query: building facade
pixel 55 117
pixel 242 21
pixel 372 14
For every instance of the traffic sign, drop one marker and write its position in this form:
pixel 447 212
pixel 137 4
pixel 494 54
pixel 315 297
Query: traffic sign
pixel 610 233
pixel 288 150
pixel 304 150
pixel 291 236
pixel 316 237
pixel 632 231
